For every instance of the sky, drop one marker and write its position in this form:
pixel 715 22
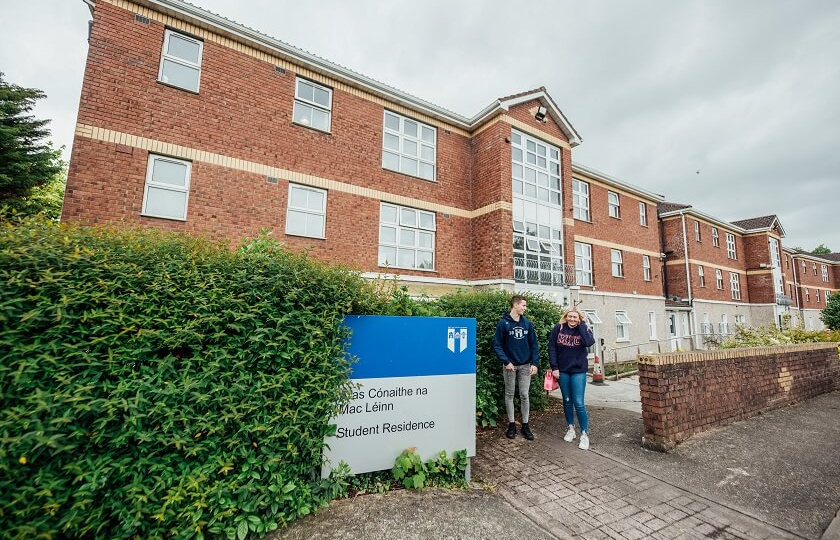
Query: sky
pixel 730 106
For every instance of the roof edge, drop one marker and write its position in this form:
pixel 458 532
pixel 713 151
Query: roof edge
pixel 598 175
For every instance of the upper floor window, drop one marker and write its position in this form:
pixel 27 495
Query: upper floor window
pixel 804 267
pixel 583 263
pixel 715 237
pixel 409 146
pixel 646 267
pixel 406 237
pixel 167 188
pixel 701 276
pixel 617 263
pixel 580 199
pixel 719 279
pixel 730 246
pixel 643 214
pixel 536 169
pixel 307 211
pixel 825 273
pixel 313 105
pixel 735 285
pixel 614 204
pixel 697 230
pixel 814 265
pixel 180 63
pixel 537 242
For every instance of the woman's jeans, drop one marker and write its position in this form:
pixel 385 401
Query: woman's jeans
pixel 573 386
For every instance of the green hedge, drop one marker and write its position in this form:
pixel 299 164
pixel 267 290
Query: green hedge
pixel 164 386
pixel 487 307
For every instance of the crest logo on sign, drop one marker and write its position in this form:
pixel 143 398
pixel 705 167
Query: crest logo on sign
pixel 456 334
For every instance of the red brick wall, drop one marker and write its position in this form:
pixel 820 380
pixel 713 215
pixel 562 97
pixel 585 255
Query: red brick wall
pixel 687 393
pixel 522 112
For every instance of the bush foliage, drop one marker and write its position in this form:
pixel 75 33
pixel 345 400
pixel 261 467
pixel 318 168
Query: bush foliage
pixel 831 313
pixel 765 337
pixel 164 386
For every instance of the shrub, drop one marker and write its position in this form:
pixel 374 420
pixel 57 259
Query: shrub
pixel 487 307
pixel 156 385
pixel 765 337
pixel 831 313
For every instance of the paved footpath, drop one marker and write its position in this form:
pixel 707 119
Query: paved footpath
pixel 572 493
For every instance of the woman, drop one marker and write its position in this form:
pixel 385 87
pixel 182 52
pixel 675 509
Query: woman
pixel 567 354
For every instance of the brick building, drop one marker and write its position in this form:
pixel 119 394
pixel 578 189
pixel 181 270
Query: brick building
pixel 191 122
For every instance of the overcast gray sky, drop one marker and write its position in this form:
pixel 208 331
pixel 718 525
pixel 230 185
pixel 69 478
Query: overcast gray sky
pixel 747 92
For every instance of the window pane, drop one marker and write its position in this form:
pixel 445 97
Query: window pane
pixel 530 175
pixel 322 97
pixel 316 200
pixel 425 240
pixel 296 222
pixel 428 134
pixel 180 75
pixel 297 197
pixel 388 213
pixel 387 235
pixel 302 114
pixel 405 258
pixel 410 128
pixel 409 148
pixel 532 158
pixel 517 154
pixel 427 171
pixel 407 238
pixel 543 194
pixel 392 122
pixel 391 161
pixel 541 163
pixel 554 154
pixel 392 142
pixel 408 217
pixel 427 221
pixel 530 190
pixel 408 166
pixel 425 260
pixel 168 172
pixel 517 170
pixel 517 138
pixel 428 153
pixel 315 226
pixel 517 186
pixel 184 49
pixel 305 90
pixel 387 256
pixel 320 120
pixel 532 146
pixel 166 203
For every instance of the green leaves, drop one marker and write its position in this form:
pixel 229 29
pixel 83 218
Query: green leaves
pixel 438 471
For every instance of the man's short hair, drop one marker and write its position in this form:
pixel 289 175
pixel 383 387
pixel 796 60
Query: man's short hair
pixel 515 299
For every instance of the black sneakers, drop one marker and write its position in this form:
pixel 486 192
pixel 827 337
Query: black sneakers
pixel 511 431
pixel 526 432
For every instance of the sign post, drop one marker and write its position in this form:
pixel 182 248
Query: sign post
pixel 414 387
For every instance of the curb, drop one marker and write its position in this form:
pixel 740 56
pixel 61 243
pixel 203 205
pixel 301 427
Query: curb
pixel 833 530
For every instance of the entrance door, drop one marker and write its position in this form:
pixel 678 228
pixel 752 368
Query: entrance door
pixel 673 331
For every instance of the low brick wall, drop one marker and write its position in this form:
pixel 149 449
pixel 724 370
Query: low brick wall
pixel 687 393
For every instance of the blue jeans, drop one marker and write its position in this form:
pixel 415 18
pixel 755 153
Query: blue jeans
pixel 573 386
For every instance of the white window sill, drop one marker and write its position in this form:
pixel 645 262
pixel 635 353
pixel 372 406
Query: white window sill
pixel 313 128
pixel 305 236
pixel 622 341
pixel 175 86
pixel 391 266
pixel 163 217
pixel 433 180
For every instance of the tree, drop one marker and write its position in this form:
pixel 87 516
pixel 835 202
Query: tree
pixel 831 314
pixel 26 160
pixel 821 250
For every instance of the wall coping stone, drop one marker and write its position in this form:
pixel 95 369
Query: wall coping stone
pixel 728 354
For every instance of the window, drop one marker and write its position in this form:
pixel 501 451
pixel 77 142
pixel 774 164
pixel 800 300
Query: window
pixel 614 204
pixel 313 105
pixel 646 267
pixel 715 237
pixel 825 273
pixel 536 169
pixel 617 263
pixel 730 246
pixel 622 326
pixel 409 146
pixel 580 197
pixel 707 327
pixel 180 63
pixel 719 278
pixel 724 324
pixel 583 263
pixel 807 295
pixel 735 285
pixel 307 211
pixel 652 325
pixel 817 296
pixel 701 276
pixel 643 214
pixel 827 294
pixel 814 265
pixel 740 320
pixel 406 237
pixel 537 242
pixel 167 188
pixel 697 230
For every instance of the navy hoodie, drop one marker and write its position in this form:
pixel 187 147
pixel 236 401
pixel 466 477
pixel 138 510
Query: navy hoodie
pixel 516 341
pixel 567 347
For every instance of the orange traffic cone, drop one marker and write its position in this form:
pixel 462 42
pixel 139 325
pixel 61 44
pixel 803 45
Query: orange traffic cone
pixel 597 372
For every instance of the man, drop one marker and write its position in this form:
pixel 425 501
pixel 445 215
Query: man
pixel 516 346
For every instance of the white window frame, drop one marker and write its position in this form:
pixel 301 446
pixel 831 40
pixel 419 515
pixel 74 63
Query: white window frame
pixel 301 102
pixel 804 267
pixel 643 214
pixel 322 212
pixel 715 237
pixel 735 285
pixel 724 324
pixel 701 275
pixel 825 273
pixel 622 326
pixel 617 263
pixel 652 325
pixel 814 266
pixel 807 294
pixel 181 61
pixel 403 140
pixel 827 294
pixel 719 279
pixel 153 158
pixel 583 264
pixel 697 231
pixel 817 295
pixel 536 169
pixel 580 199
pixel 401 225
pixel 646 267
pixel 731 251
pixel 614 204
pixel 740 320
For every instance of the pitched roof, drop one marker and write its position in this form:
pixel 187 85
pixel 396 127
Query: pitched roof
pixel 665 207
pixel 763 222
pixel 831 256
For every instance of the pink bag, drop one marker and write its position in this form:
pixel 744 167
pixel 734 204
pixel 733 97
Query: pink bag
pixel 550 382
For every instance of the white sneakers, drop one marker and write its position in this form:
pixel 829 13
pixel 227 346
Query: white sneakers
pixel 584 441
pixel 570 436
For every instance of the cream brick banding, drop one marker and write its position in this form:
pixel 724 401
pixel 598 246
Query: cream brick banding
pixel 184 152
pixel 612 245
pixel 729 354
pixel 707 264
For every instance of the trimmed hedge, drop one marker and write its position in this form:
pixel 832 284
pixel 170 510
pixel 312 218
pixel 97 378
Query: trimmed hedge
pixel 156 385
pixel 487 307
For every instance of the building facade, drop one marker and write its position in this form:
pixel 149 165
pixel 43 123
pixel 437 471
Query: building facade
pixel 191 122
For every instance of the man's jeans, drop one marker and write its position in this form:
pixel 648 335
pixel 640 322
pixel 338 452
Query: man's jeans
pixel 520 375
